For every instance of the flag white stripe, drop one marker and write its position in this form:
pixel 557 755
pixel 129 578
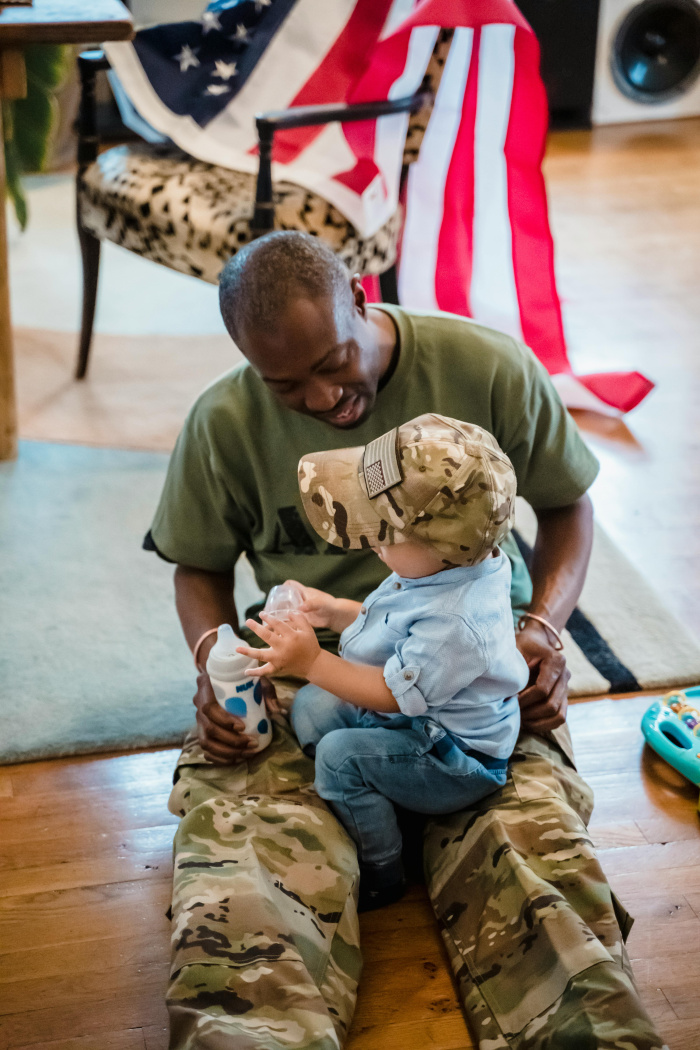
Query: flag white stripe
pixel 426 180
pixel 390 134
pixel 309 31
pixel 399 10
pixel 493 295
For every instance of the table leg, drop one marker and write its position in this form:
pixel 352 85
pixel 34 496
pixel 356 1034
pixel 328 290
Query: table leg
pixel 8 406
pixel 13 84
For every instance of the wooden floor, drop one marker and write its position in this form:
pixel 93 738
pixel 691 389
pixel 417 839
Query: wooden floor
pixel 85 843
pixel 85 882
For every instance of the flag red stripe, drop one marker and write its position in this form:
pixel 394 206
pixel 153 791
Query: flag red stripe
pixel 332 80
pixel 533 250
pixel 456 240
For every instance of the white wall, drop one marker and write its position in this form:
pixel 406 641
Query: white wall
pixel 151 12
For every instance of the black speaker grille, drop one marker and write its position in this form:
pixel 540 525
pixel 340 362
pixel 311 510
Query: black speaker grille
pixel 656 51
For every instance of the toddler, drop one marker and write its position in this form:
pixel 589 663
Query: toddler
pixel 420 706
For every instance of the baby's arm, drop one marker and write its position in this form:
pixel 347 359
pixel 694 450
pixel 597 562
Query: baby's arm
pixel 358 684
pixel 294 650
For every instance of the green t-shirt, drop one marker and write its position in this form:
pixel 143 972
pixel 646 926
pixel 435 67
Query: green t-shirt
pixel 232 481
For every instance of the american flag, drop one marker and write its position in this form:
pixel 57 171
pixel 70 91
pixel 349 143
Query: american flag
pixel 476 238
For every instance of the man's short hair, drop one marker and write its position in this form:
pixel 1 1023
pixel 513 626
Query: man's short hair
pixel 259 281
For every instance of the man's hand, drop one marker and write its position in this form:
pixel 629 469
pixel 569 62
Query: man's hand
pixel 221 735
pixel 544 700
pixel 293 646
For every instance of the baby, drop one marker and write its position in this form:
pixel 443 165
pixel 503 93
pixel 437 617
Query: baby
pixel 420 706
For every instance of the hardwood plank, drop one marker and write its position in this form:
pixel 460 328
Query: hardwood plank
pixel 151 770
pixel 146 857
pixel 600 760
pixel 693 899
pixel 414 910
pixel 648 858
pixel 653 939
pixel 635 884
pixel 664 969
pixel 610 836
pixel 36 816
pixel 82 990
pixel 98 954
pixel 444 1033
pixel 85 846
pixel 156 1037
pixel 65 916
pixel 132 1039
pixel 663 908
pixel 415 994
pixel 5 784
pixel 683 997
pixel 656 1004
pixel 406 942
pixel 680 823
pixel 680 1035
pixel 141 1007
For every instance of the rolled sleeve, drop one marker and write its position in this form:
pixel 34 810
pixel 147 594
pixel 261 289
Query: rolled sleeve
pixel 440 655
pixel 402 681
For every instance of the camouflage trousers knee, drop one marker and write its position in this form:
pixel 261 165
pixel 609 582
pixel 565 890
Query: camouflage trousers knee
pixel 265 933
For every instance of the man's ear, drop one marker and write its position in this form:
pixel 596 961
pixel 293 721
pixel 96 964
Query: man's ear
pixel 359 295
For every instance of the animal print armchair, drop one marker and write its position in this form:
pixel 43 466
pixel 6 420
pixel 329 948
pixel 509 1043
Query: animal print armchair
pixel 192 216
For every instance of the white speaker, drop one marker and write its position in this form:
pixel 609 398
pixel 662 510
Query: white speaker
pixel 647 61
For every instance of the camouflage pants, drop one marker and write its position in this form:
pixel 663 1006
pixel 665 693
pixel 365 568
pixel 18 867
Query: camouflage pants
pixel 265 934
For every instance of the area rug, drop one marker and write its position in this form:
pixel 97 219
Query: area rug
pixel 91 653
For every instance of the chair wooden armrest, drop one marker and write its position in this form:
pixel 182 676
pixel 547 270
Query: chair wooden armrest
pixel 307 116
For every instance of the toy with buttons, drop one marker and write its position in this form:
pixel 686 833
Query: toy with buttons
pixel 672 727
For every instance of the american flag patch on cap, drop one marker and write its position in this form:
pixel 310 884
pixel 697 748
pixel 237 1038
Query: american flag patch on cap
pixel 381 464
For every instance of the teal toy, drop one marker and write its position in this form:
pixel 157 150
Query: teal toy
pixel 672 727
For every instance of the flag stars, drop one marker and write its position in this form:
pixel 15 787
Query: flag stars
pixel 210 21
pixel 259 4
pixel 241 35
pixel 225 70
pixel 187 58
pixel 217 89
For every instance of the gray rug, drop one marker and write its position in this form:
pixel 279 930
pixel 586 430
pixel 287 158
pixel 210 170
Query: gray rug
pixel 91 653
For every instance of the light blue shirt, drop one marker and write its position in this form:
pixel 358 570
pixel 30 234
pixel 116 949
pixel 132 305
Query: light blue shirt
pixel 447 644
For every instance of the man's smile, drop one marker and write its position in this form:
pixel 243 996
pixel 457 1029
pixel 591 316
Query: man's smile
pixel 346 413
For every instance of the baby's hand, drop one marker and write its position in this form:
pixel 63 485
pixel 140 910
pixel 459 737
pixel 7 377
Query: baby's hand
pixel 293 646
pixel 318 606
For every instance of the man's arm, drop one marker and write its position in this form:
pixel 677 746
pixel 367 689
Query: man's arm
pixel 559 563
pixel 205 600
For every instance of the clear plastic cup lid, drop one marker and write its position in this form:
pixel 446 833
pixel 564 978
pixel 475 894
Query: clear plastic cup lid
pixel 284 600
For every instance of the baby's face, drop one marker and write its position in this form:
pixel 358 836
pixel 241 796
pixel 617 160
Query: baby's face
pixel 411 560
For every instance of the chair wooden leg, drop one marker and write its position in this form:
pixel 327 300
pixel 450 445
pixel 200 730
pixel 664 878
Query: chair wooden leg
pixel 90 252
pixel 389 285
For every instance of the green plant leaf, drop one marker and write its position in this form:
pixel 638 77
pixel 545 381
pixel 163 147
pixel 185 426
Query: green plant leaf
pixel 28 122
pixel 13 168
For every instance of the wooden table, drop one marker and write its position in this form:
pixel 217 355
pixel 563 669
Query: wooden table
pixel 45 22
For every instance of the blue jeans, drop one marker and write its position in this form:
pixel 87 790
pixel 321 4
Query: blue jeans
pixel 364 763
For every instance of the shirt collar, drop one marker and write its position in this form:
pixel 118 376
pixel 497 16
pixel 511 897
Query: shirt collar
pixel 460 574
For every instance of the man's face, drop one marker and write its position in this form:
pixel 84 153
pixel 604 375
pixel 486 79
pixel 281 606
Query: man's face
pixel 321 359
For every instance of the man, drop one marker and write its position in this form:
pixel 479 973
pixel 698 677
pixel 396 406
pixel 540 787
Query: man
pixel 265 934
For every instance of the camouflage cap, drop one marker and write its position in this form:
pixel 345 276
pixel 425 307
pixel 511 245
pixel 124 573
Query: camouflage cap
pixel 434 480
